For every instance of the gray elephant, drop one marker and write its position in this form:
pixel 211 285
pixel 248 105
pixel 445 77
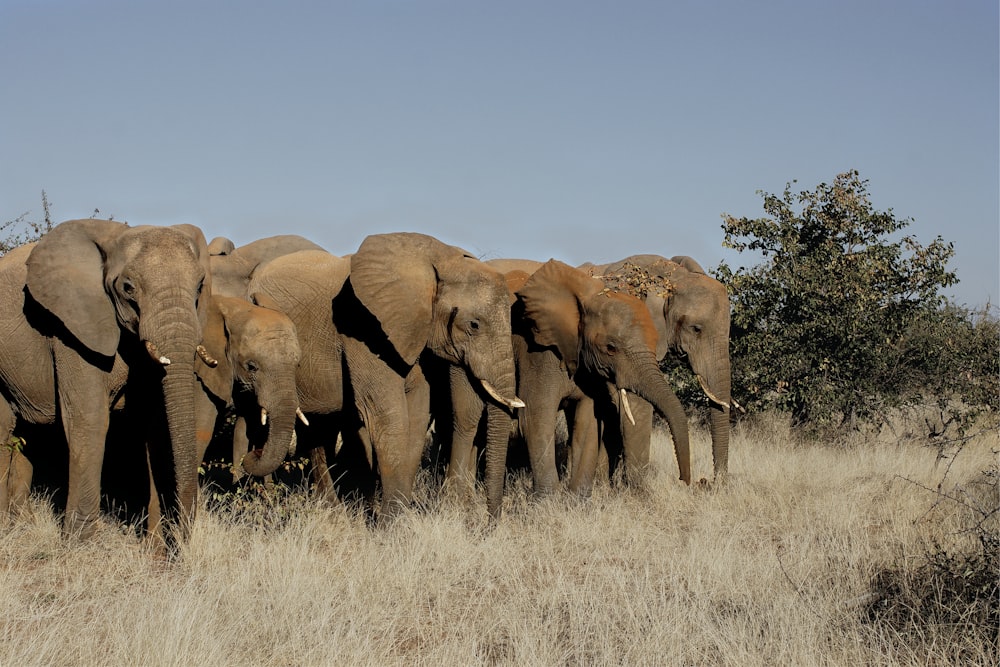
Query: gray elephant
pixel 258 356
pixel 364 322
pixel 691 312
pixel 93 311
pixel 571 338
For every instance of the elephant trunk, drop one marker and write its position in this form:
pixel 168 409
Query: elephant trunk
pixel 647 382
pixel 498 422
pixel 498 380
pixel 175 333
pixel 715 379
pixel 281 416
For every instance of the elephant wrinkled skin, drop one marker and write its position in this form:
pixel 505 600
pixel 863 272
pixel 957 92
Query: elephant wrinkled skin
pixel 94 310
pixel 691 312
pixel 363 323
pixel 571 339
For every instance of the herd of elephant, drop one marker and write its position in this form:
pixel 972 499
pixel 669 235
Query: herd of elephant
pixel 347 360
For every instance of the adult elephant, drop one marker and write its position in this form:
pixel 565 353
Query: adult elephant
pixel 572 337
pixel 363 323
pixel 691 312
pixel 93 310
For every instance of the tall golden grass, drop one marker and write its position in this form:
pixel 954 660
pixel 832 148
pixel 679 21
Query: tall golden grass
pixel 773 568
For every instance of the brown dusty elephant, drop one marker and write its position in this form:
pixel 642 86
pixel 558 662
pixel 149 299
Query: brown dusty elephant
pixel 233 266
pixel 571 338
pixel 691 312
pixel 94 310
pixel 363 323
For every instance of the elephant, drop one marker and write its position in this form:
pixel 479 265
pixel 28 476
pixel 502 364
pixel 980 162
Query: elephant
pixel 571 338
pixel 257 353
pixel 94 311
pixel 691 312
pixel 232 266
pixel 363 323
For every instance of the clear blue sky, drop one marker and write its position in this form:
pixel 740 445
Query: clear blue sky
pixel 585 131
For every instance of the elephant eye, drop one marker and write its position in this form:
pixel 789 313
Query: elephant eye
pixel 128 287
pixel 696 328
pixel 252 366
pixel 611 348
pixel 474 325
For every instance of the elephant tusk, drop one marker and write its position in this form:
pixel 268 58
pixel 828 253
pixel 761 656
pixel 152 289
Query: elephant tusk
pixel 301 416
pixel 711 396
pixel 627 408
pixel 206 357
pixel 263 417
pixel 510 403
pixel 739 407
pixel 154 353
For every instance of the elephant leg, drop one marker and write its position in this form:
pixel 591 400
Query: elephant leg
pixel 389 431
pixel 584 441
pixel 15 469
pixel 206 414
pixel 318 443
pixel 418 407
pixel 538 426
pixel 467 413
pixel 241 443
pixel 636 441
pixel 155 537
pixel 85 410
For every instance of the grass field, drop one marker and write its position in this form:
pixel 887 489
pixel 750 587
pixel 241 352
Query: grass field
pixel 776 567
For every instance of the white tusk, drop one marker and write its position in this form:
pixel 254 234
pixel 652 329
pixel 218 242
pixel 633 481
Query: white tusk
pixel 302 417
pixel 711 396
pixel 206 357
pixel 626 408
pixel 263 417
pixel 155 353
pixel 510 403
pixel 739 407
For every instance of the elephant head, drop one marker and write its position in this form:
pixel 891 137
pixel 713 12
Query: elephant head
pixel 258 354
pixel 137 291
pixel 691 313
pixel 603 334
pixel 429 295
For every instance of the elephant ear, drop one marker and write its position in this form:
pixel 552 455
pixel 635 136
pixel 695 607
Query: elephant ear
pixel 200 248
pixel 515 281
pixel 553 300
pixel 394 277
pixel 215 337
pixel 66 277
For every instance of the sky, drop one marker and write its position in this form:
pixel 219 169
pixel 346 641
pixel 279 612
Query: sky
pixel 584 131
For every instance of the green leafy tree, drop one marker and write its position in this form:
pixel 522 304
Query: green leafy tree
pixel 834 324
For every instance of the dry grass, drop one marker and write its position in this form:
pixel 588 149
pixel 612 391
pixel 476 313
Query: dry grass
pixel 774 568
